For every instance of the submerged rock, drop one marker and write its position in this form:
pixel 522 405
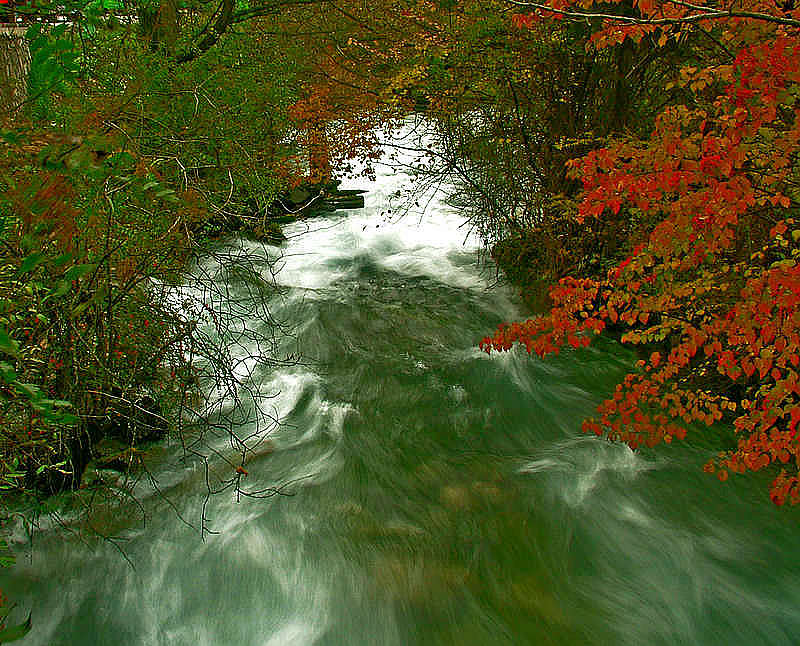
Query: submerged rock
pixel 529 595
pixel 418 580
pixel 455 497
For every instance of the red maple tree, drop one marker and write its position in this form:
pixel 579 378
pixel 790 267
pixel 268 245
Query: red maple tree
pixel 711 286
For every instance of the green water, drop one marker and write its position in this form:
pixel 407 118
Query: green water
pixel 439 496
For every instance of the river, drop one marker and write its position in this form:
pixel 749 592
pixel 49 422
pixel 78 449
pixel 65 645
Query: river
pixel 435 494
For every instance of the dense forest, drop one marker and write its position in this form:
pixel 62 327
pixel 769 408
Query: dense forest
pixel 631 165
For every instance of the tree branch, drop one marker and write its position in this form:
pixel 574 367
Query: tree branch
pixel 220 27
pixel 708 14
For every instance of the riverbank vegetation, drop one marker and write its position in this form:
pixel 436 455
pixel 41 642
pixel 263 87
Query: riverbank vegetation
pixel 701 195
pixel 114 170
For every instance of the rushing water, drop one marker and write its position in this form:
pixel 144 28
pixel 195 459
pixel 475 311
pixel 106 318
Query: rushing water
pixel 440 496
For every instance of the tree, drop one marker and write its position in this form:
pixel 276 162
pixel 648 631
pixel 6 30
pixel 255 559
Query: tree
pixel 711 285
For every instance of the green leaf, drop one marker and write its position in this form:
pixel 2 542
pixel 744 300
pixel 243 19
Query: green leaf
pixel 13 633
pixel 59 290
pixel 78 271
pixel 7 344
pixel 33 32
pixel 62 260
pixel 31 262
pixel 80 309
pixel 56 403
pixel 7 373
pixel 10 136
pixel 68 60
pixel 121 159
pixel 41 48
pixel 31 391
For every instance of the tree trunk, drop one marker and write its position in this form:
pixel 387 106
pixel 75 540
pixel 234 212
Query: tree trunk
pixel 158 25
pixel 319 161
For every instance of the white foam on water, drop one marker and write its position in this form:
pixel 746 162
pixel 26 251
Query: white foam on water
pixel 323 252
pixel 295 632
pixel 544 465
pixel 577 466
pixel 289 385
pixel 629 512
pixel 430 239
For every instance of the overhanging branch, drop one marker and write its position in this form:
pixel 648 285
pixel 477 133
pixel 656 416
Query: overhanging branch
pixel 706 15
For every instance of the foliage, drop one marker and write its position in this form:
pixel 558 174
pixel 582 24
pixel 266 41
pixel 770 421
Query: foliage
pixel 216 127
pixel 711 288
pixel 667 213
pixel 54 68
pixel 116 169
pixel 76 253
